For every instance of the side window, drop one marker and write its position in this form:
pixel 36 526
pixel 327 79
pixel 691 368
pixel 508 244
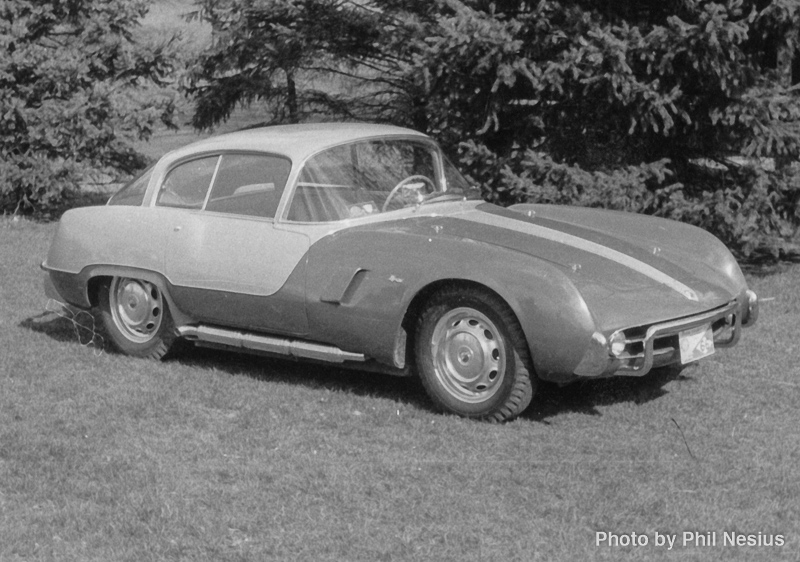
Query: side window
pixel 133 193
pixel 249 184
pixel 186 185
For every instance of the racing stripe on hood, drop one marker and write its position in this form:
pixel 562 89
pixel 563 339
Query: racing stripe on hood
pixel 519 224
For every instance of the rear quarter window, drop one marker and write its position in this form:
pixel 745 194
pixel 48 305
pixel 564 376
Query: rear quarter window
pixel 133 193
pixel 187 184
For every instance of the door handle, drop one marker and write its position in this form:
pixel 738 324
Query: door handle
pixel 177 228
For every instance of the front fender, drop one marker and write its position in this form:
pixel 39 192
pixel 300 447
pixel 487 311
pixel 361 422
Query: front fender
pixel 361 283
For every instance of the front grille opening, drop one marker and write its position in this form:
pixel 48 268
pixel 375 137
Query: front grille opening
pixel 634 348
pixel 723 328
pixel 666 342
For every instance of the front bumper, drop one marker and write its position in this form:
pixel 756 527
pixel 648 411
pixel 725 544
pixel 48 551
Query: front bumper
pixel 642 348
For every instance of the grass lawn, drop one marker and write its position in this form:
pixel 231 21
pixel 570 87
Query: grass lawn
pixel 223 457
pixel 214 456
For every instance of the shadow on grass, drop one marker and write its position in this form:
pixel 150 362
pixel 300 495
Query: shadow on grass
pixel 586 396
pixel 307 373
pixel 549 401
pixel 66 325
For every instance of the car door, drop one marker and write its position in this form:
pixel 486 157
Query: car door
pixel 228 262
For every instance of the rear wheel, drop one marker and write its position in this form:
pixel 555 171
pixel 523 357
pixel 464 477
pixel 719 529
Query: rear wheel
pixel 472 356
pixel 136 318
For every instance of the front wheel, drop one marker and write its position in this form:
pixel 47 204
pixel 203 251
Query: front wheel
pixel 135 317
pixel 472 356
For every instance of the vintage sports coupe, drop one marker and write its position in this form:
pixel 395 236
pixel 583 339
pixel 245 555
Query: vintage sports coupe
pixel 362 245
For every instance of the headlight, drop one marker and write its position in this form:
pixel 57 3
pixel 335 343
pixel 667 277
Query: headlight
pixel 618 343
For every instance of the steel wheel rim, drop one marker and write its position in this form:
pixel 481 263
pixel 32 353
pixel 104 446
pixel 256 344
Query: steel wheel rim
pixel 469 355
pixel 136 307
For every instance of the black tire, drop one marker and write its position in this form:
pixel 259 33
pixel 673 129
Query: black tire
pixel 136 318
pixel 471 355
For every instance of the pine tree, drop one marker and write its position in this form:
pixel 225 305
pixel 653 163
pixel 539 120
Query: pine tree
pixel 76 90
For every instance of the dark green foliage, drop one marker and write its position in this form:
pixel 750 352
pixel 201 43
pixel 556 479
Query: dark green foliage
pixel 262 48
pixel 754 211
pixel 74 95
pixel 641 188
pixel 621 95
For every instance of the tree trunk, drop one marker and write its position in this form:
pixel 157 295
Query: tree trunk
pixel 786 55
pixel 291 98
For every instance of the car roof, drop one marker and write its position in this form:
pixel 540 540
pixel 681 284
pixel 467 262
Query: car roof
pixel 295 141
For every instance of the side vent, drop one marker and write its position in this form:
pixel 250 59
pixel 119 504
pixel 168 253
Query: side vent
pixel 342 286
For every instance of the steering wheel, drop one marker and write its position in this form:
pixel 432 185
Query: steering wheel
pixel 403 184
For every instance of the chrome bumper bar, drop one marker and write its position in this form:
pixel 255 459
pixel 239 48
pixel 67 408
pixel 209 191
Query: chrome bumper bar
pixel 638 364
pixel 635 350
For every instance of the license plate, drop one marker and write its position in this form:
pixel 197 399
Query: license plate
pixel 696 343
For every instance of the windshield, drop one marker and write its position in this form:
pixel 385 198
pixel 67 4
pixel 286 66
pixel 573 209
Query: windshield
pixel 375 176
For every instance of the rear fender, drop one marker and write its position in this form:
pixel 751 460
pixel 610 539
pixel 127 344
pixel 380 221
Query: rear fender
pixel 81 289
pixel 119 241
pixel 121 235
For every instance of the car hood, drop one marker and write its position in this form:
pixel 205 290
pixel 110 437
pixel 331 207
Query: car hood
pixel 628 268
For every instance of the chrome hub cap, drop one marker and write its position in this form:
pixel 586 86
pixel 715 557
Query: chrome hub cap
pixel 468 354
pixel 136 308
